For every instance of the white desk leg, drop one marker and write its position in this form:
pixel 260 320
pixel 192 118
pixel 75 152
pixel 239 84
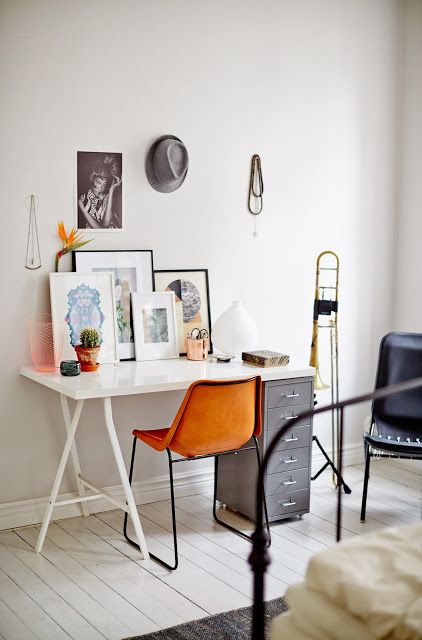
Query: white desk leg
pixel 123 477
pixel 74 454
pixel 59 475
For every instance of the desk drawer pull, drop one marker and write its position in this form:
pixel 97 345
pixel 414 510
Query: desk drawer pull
pixel 290 417
pixel 287 504
pixel 287 482
pixel 291 395
pixel 292 439
pixel 288 461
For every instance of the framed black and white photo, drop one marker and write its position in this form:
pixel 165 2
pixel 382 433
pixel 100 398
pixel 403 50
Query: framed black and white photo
pixel 191 289
pixel 79 301
pixel 133 272
pixel 154 321
pixel 99 191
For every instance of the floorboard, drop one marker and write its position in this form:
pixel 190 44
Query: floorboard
pixel 90 584
pixel 12 628
pixel 37 578
pixel 28 611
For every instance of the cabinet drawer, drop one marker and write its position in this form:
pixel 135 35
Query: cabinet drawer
pixel 277 418
pixel 288 503
pixel 286 482
pixel 286 395
pixel 288 460
pixel 293 438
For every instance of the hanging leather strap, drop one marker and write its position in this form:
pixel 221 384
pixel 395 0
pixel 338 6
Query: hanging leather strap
pixel 256 187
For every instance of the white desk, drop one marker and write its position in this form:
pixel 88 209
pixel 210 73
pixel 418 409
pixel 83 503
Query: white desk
pixel 130 378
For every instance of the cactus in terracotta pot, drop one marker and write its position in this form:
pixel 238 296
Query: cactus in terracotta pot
pixel 88 349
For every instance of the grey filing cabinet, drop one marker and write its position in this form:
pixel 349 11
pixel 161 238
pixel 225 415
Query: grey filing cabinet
pixel 288 475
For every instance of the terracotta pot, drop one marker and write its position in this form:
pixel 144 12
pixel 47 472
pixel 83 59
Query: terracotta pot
pixel 87 357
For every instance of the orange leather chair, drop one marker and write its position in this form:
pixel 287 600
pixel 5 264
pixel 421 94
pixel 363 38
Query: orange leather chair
pixel 216 417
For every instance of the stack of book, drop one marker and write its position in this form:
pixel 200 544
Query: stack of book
pixel 265 358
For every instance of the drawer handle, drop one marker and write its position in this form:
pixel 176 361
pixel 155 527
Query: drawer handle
pixel 287 504
pixel 288 461
pixel 291 395
pixel 290 417
pixel 289 482
pixel 292 439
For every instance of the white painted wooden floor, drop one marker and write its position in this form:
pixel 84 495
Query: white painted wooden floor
pixel 89 584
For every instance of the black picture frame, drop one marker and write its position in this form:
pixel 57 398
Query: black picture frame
pixel 161 284
pixel 139 278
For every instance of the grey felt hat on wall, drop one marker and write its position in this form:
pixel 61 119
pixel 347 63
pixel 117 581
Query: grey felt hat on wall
pixel 167 164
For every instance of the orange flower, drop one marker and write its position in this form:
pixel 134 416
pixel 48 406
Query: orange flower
pixel 70 242
pixel 72 236
pixel 62 231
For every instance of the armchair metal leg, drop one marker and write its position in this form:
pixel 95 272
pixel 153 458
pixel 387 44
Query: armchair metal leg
pixel 214 505
pixel 173 512
pixel 365 482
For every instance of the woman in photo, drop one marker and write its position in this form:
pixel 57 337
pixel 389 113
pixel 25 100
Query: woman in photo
pixel 99 205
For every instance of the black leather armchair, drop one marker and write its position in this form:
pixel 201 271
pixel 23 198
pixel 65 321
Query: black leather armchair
pixel 396 426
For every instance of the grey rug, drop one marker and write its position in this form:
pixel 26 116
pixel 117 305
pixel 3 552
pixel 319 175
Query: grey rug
pixel 231 625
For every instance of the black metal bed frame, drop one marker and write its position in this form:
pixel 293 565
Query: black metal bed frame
pixel 259 558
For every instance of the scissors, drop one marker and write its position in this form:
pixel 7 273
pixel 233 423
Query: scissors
pixel 198 334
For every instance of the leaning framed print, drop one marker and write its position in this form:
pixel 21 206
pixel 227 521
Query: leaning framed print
pixel 154 321
pixel 80 300
pixel 133 272
pixel 192 300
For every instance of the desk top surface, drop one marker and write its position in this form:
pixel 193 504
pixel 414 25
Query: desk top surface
pixel 130 377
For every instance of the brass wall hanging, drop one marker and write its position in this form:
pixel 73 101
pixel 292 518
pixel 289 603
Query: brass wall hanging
pixel 256 189
pixel 33 256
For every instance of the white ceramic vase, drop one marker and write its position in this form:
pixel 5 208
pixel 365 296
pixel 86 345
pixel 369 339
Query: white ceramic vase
pixel 235 331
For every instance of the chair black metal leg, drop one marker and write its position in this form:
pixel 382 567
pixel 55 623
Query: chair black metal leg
pixel 173 512
pixel 365 482
pixel 214 505
pixel 329 463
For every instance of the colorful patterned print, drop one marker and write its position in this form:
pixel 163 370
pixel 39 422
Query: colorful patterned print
pixel 84 311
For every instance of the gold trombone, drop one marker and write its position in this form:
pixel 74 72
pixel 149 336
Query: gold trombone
pixel 326 305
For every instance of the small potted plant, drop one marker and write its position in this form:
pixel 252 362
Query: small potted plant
pixel 88 349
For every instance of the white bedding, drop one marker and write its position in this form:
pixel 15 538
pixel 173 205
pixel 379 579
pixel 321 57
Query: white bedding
pixel 369 588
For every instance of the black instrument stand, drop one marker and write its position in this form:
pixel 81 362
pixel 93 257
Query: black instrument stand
pixel 329 463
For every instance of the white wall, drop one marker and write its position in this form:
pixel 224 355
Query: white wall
pixel 310 86
pixel 407 299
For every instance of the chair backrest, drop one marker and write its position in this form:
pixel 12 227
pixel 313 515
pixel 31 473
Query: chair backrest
pixel 400 359
pixel 216 416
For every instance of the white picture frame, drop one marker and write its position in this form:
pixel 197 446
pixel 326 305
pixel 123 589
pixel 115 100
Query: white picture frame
pixel 69 316
pixel 154 321
pixel 133 271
